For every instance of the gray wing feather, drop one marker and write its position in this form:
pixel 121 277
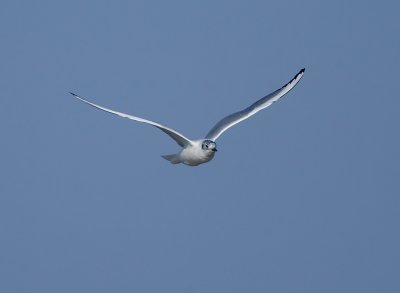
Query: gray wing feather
pixel 179 138
pixel 264 102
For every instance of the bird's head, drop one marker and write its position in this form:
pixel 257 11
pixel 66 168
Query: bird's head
pixel 209 145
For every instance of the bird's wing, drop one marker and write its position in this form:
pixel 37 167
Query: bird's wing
pixel 265 102
pixel 179 138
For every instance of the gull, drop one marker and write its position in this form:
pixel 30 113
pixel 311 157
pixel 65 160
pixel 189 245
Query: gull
pixel 196 152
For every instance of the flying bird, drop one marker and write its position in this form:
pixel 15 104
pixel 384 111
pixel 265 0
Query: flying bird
pixel 196 152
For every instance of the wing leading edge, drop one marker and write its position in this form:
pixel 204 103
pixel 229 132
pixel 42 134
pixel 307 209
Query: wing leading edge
pixel 263 103
pixel 179 138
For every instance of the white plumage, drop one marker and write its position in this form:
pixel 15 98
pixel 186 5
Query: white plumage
pixel 196 152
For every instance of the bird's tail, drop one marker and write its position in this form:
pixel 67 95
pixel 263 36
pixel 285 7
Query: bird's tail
pixel 174 159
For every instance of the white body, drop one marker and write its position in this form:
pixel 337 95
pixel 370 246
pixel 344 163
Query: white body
pixel 194 155
pixel 196 152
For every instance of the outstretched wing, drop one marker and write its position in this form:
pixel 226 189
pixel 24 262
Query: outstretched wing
pixel 179 138
pixel 265 102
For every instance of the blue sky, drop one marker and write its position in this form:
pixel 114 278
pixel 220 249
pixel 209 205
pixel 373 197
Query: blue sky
pixel 302 197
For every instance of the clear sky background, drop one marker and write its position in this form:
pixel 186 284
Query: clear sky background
pixel 302 197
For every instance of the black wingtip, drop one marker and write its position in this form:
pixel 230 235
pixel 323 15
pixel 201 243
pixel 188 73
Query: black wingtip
pixel 300 72
pixel 75 95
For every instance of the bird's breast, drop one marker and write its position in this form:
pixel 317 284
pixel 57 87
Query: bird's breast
pixel 194 156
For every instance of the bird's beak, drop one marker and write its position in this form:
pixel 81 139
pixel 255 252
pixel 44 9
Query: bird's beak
pixel 215 150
